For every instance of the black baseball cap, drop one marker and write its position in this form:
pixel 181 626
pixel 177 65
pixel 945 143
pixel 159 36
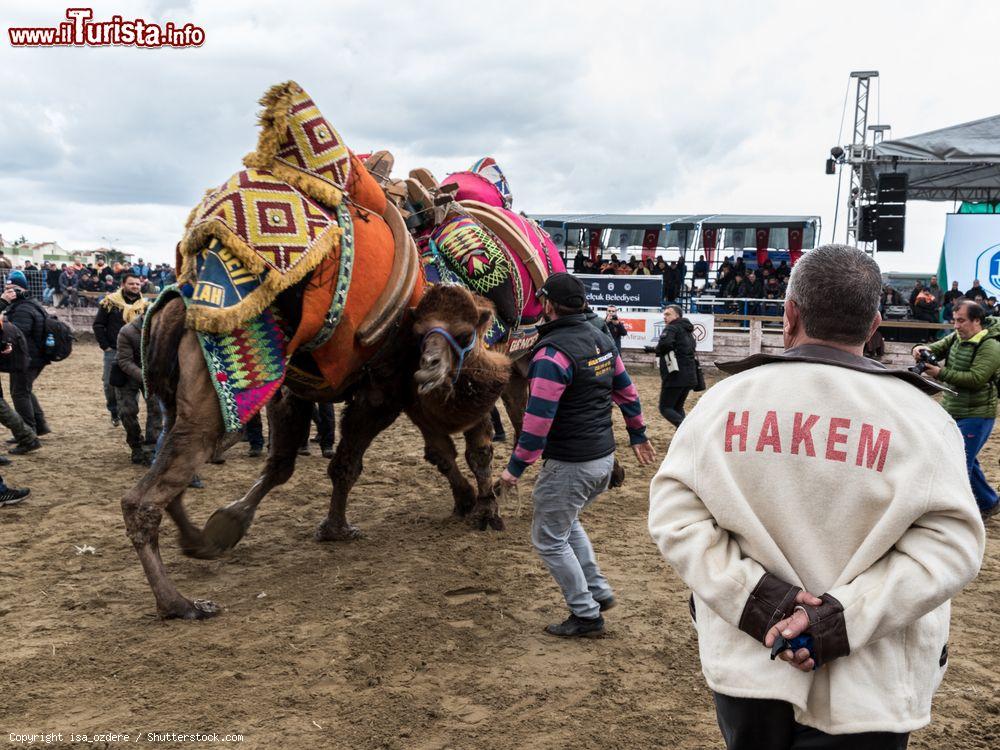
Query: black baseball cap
pixel 564 289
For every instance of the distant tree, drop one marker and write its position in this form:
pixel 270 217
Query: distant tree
pixel 113 256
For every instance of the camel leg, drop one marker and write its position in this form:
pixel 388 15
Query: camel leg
pixel 479 456
pixel 360 425
pixel 189 442
pixel 515 399
pixel 288 418
pixel 440 452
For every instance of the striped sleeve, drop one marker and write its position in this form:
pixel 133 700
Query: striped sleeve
pixel 550 373
pixel 624 394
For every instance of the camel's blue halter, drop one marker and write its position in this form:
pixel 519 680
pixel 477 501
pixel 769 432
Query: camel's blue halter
pixel 460 351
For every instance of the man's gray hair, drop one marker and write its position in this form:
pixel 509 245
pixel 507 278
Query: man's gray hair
pixel 837 290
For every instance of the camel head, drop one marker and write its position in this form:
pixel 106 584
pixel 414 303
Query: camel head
pixel 450 322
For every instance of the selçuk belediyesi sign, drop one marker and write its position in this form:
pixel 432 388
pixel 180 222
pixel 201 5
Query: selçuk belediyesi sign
pixel 624 291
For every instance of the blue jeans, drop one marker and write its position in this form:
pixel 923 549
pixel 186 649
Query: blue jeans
pixel 562 490
pixel 975 431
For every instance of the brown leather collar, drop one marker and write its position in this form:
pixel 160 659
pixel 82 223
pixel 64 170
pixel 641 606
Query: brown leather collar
pixel 827 355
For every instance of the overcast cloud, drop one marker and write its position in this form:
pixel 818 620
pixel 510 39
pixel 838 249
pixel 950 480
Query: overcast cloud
pixel 604 107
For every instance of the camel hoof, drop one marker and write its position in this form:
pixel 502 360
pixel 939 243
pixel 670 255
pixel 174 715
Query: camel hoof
pixel 199 609
pixel 327 532
pixel 490 521
pixel 224 529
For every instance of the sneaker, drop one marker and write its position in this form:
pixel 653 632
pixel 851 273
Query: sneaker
pixel 11 441
pixel 138 457
pixel 500 437
pixel 577 627
pixel 304 450
pixel 21 448
pixel 43 431
pixel 10 496
pixel 328 453
pixel 255 452
pixel 196 483
pixel 115 421
pixel 606 604
pixel 4 461
pixel 986 514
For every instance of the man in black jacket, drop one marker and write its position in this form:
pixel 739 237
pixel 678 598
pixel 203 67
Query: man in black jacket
pixel 14 359
pixel 25 312
pixel 576 376
pixel 676 383
pixel 615 327
pixel 108 323
pixel 128 387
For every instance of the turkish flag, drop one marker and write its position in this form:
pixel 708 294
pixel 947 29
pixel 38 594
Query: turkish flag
pixel 708 239
pixel 763 235
pixel 595 243
pixel 649 240
pixel 795 243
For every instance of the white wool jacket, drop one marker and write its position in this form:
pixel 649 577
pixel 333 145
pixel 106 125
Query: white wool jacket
pixel 822 471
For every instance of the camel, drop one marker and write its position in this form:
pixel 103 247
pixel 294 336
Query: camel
pixel 297 270
pixel 418 372
pixel 482 194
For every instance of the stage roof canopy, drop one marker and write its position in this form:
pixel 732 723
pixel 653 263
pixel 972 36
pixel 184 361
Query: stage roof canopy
pixel 960 163
pixel 674 221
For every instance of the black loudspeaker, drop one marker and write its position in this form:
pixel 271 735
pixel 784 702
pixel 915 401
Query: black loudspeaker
pixel 868 224
pixel 890 233
pixel 892 187
pixel 891 211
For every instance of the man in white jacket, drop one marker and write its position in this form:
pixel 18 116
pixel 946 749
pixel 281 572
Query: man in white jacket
pixel 818 493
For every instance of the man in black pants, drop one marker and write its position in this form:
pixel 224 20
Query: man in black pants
pixel 27 314
pixel 678 367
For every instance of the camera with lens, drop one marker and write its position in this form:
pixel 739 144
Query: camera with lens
pixel 926 358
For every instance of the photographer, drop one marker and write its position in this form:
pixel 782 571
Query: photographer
pixel 678 365
pixel 973 361
pixel 615 327
pixel 788 504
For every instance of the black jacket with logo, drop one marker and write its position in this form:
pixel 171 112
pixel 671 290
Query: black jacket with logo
pixel 582 428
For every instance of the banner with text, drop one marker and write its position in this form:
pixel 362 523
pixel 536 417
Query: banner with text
pixel 644 329
pixel 625 291
pixel 972 250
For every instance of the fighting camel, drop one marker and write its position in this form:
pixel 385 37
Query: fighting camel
pixel 385 343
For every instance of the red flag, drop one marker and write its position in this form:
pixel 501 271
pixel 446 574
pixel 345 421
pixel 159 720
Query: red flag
pixel 595 243
pixel 649 240
pixel 708 239
pixel 763 235
pixel 795 243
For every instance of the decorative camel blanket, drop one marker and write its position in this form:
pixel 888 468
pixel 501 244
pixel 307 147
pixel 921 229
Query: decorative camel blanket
pixel 484 181
pixel 269 225
pixel 246 365
pixel 463 251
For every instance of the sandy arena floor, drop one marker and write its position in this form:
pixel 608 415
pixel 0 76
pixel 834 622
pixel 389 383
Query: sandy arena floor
pixel 424 634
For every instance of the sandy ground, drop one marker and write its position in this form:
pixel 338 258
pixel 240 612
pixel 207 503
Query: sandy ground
pixel 424 634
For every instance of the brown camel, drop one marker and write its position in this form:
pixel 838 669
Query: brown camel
pixel 419 370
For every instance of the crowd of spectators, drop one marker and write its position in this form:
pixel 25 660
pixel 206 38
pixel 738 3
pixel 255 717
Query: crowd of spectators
pixel 732 279
pixel 83 284
pixel 932 304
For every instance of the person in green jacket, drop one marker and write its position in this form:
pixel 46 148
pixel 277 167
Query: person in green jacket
pixel 972 362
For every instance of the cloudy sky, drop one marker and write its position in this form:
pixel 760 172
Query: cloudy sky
pixel 704 107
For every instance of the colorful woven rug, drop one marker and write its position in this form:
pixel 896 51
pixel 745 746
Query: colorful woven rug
pixel 246 365
pixel 297 144
pixel 269 225
pixel 246 242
